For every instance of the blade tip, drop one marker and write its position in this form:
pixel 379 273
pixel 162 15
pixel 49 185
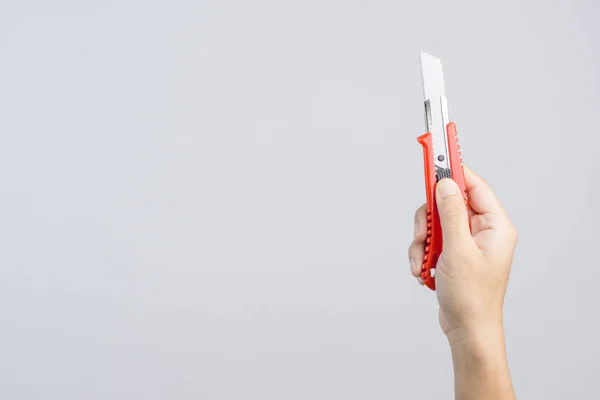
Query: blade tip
pixel 427 58
pixel 431 64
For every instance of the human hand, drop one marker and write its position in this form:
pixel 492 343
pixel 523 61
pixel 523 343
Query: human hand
pixel 473 269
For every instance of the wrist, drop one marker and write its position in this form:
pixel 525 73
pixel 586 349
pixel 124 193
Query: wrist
pixel 479 359
pixel 482 344
pixel 481 347
pixel 477 337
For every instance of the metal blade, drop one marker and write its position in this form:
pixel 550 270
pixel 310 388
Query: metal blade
pixel 436 111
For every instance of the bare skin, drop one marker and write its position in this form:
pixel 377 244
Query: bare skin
pixel 471 278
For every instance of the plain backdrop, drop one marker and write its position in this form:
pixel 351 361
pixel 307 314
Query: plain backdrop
pixel 214 199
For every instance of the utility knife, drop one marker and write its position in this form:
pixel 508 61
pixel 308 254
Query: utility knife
pixel 441 156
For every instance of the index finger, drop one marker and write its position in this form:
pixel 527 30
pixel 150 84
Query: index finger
pixel 482 198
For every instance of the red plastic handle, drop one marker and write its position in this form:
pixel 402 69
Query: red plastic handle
pixel 434 242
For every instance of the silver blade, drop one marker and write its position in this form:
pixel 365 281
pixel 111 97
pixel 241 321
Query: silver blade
pixel 436 110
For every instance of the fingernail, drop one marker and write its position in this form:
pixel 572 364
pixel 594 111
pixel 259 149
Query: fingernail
pixel 420 281
pixel 413 267
pixel 447 187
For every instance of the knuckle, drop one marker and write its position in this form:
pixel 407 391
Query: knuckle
pixel 420 213
pixel 420 234
pixel 411 250
pixel 514 234
pixel 491 220
pixel 415 250
pixel 421 237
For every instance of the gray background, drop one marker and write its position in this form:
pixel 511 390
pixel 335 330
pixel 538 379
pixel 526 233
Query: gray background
pixel 213 200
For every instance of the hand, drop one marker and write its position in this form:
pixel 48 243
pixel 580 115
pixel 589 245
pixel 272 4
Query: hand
pixel 473 269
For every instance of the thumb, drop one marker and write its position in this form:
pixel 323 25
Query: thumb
pixel 453 212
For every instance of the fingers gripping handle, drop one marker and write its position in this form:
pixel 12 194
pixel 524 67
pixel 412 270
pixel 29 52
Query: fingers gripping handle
pixel 434 242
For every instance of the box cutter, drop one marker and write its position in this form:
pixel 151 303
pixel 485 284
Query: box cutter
pixel 441 155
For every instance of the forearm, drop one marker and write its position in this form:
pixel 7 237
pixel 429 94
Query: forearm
pixel 480 366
